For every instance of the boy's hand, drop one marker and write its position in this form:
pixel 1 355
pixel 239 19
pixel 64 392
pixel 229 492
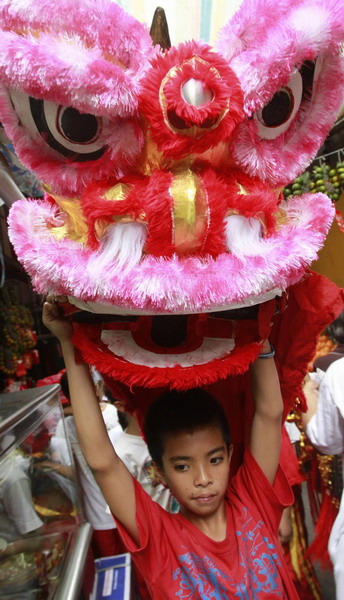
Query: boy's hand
pixel 55 322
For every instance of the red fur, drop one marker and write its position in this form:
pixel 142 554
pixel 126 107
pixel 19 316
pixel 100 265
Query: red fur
pixel 96 353
pixel 318 549
pixel 259 201
pixel 95 207
pixel 214 243
pixel 200 71
pixel 158 208
pixel 214 72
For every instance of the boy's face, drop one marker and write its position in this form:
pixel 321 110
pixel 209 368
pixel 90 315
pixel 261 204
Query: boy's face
pixel 196 469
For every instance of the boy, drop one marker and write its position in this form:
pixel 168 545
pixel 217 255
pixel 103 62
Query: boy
pixel 222 544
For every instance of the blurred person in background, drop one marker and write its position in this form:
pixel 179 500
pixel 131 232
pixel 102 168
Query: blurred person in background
pixel 324 426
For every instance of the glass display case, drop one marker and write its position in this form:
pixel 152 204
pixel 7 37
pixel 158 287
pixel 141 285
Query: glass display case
pixel 44 538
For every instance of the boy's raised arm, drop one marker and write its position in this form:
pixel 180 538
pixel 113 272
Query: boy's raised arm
pixel 265 440
pixel 109 471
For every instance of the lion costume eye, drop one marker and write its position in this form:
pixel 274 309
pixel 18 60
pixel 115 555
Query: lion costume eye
pixel 275 118
pixel 71 133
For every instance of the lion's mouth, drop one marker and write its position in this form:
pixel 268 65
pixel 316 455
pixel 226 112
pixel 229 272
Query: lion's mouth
pixel 171 349
pixel 165 341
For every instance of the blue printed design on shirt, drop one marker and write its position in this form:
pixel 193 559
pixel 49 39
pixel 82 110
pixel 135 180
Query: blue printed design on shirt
pixel 260 561
pixel 200 576
pixel 258 574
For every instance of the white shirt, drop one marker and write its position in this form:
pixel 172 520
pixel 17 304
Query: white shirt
pixel 17 513
pixel 133 451
pixel 110 415
pixel 326 428
pixel 96 508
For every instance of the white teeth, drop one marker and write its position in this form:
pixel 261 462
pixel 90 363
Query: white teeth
pixel 120 249
pixel 121 343
pixel 244 236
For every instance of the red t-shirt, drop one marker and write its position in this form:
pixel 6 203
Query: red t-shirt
pixel 178 561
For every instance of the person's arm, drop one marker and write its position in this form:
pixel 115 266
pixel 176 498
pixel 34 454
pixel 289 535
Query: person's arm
pixel 59 468
pixel 265 439
pixel 110 473
pixel 31 542
pixel 311 392
pixel 323 421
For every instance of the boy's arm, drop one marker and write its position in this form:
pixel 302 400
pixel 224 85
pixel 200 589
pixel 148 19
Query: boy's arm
pixel 265 440
pixel 109 471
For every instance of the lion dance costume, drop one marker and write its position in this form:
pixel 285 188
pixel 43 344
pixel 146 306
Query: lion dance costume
pixel 163 219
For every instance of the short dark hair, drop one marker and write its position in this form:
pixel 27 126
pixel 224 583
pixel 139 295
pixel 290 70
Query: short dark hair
pixel 175 412
pixel 336 329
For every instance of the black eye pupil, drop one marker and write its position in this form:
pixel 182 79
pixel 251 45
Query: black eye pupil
pixel 278 110
pixel 74 131
pixel 77 127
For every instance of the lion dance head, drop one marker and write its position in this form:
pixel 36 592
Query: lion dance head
pixel 163 219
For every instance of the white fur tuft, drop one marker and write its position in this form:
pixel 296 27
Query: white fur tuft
pixel 120 249
pixel 243 236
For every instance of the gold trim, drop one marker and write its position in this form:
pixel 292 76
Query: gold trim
pixel 75 227
pixel 190 212
pixel 117 192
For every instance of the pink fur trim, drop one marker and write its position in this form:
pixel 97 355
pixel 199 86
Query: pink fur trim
pixel 77 42
pixel 123 139
pixel 171 285
pixel 264 53
pixel 278 40
pixel 242 30
pixel 279 161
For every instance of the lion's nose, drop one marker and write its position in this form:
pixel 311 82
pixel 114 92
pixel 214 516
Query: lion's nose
pixel 191 100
